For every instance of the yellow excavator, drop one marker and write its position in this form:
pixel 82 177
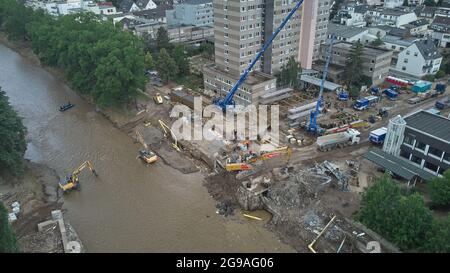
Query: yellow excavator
pixel 244 166
pixel 72 181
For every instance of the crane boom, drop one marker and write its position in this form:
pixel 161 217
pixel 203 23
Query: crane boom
pixel 313 127
pixel 228 100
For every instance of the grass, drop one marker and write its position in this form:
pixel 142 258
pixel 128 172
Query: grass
pixel 191 81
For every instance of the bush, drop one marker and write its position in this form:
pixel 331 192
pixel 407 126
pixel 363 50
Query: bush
pixel 438 237
pixel 439 74
pixel 428 77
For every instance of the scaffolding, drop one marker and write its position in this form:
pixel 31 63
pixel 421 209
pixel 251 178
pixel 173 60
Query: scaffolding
pixel 394 136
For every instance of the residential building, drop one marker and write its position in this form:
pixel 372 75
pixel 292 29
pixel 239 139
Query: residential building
pixel 392 3
pixel 352 15
pixel 426 142
pixel 418 27
pixel 425 12
pixel 240 29
pixel 374 2
pixel 415 2
pixel 441 31
pixel 191 12
pixel 155 15
pixel 144 5
pixel 375 61
pixel 396 17
pixel 419 59
pixel 190 34
pixel 347 33
pixel 58 8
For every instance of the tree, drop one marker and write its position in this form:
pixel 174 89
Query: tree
pixel 162 40
pixel 439 189
pixel 353 65
pixel 412 220
pixel 378 204
pixel 148 61
pixel 354 92
pixel 428 77
pixel 405 3
pixel 378 41
pixel 429 3
pixel 12 135
pixel 438 236
pixel 181 60
pixel 166 66
pixel 289 73
pixel 404 220
pixel 8 242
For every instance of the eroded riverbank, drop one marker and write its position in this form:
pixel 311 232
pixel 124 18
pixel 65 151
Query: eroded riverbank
pixel 130 207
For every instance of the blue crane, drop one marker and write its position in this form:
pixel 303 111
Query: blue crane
pixel 313 127
pixel 228 100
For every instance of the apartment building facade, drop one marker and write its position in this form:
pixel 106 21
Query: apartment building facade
pixel 240 29
pixel 191 13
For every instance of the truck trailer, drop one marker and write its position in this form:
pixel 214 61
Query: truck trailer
pixel 338 140
pixel 443 103
pixel 377 136
pixel 391 94
pixel 366 102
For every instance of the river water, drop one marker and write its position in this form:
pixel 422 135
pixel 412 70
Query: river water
pixel 129 207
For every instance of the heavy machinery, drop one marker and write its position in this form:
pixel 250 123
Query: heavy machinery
pixel 72 181
pixel 313 127
pixel 167 130
pixel 245 166
pixel 147 156
pixel 228 100
pixel 158 98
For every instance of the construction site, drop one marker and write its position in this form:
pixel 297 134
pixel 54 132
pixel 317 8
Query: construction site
pixel 310 176
pixel 300 175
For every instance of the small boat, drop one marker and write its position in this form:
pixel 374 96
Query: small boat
pixel 66 106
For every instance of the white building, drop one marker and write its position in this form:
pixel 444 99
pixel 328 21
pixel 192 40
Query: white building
pixel 419 59
pixel 392 3
pixel 441 31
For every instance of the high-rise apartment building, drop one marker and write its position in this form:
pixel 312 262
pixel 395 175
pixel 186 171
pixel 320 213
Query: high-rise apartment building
pixel 241 27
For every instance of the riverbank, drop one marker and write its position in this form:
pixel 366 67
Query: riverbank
pixel 38 195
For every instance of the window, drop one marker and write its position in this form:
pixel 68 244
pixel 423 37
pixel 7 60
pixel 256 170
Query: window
pixel 408 140
pixel 415 54
pixel 447 156
pixel 405 154
pixel 405 60
pixel 407 52
pixel 420 146
pixel 431 166
pixel 435 152
pixel 403 68
pixel 416 159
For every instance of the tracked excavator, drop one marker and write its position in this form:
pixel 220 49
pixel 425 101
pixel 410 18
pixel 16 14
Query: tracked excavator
pixel 72 182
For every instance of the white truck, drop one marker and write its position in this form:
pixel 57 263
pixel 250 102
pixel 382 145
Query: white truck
pixel 341 139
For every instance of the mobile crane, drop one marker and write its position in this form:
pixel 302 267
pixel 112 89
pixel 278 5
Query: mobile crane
pixel 244 166
pixel 72 181
pixel 313 127
pixel 228 100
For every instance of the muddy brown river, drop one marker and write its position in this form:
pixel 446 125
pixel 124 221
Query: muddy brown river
pixel 129 207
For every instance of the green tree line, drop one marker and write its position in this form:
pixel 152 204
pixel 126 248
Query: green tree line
pixel 97 58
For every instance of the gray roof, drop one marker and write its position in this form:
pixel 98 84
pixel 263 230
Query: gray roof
pixel 361 8
pixel 418 23
pixel 397 40
pixel 159 12
pixel 125 5
pixel 428 49
pixel 316 81
pixel 197 2
pixel 141 3
pixel 344 31
pixel 396 165
pixel 435 125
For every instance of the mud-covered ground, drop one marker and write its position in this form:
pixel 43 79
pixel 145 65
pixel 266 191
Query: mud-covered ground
pixel 37 192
